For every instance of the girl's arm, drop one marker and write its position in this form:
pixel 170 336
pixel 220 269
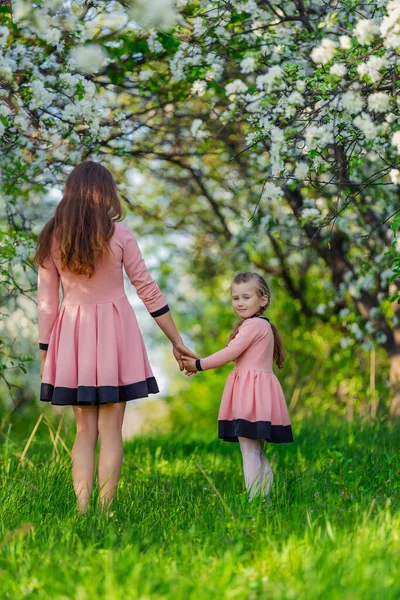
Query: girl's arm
pixel 246 336
pixel 48 300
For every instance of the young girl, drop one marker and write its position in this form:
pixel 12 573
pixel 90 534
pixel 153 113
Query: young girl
pixel 92 353
pixel 253 407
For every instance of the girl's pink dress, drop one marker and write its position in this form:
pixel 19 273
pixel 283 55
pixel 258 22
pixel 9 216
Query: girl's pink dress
pixel 96 352
pixel 253 405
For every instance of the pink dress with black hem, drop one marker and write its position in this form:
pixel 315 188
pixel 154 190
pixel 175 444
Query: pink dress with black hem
pixel 96 352
pixel 253 404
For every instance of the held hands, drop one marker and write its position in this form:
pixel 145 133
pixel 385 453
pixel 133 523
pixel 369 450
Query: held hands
pixel 190 365
pixel 180 350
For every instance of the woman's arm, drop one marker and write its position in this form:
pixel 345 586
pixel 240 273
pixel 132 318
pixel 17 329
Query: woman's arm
pixel 139 276
pixel 150 294
pixel 48 300
pixel 167 325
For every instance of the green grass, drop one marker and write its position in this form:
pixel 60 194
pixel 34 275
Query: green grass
pixel 330 530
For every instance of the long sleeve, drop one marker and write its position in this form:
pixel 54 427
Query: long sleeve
pixel 247 335
pixel 135 267
pixel 48 300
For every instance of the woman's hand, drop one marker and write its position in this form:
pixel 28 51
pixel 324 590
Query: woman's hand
pixel 179 349
pixel 190 364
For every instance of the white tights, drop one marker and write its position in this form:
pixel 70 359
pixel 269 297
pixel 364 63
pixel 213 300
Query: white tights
pixel 257 470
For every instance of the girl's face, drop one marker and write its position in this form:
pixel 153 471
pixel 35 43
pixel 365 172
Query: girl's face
pixel 245 300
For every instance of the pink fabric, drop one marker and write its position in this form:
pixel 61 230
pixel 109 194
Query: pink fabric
pixel 252 392
pixel 94 338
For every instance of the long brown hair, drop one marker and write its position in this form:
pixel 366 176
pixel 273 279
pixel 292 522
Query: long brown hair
pixel 83 222
pixel 262 289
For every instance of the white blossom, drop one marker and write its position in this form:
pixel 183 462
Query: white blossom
pixel 381 338
pixel 395 176
pixel 153 13
pixel 396 140
pixel 345 342
pixel 352 102
pixel 338 69
pixel 271 191
pixel 324 53
pixel 366 125
pixel 248 65
pixel 372 68
pixel 356 331
pixel 52 35
pixel 365 31
pixel 386 276
pixel 198 26
pixel 316 136
pixel 196 131
pixel 40 95
pixel 345 42
pixel 375 312
pixel 145 74
pixel 269 79
pixel 300 85
pixel 390 26
pixel 199 88
pixel 310 213
pixel 236 87
pixel 154 44
pixel 88 58
pixel 379 102
pixel 354 291
pixel 301 170
pixel 4 33
pixel 296 98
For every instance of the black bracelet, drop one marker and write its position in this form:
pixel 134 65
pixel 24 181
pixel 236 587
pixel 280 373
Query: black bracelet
pixel 198 364
pixel 43 346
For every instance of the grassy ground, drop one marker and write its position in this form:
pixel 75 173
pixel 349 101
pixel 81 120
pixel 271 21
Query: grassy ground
pixel 330 529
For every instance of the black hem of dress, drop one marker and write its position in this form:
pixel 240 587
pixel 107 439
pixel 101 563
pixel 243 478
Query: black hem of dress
pixel 160 312
pixel 94 396
pixel 229 431
pixel 43 346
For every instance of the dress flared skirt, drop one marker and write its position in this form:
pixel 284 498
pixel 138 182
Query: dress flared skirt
pixel 253 406
pixel 96 355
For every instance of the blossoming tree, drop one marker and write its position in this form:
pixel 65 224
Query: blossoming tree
pixel 283 118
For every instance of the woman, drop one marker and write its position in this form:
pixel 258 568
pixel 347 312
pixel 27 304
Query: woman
pixel 92 353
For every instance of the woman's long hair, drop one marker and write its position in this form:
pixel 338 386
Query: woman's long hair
pixel 262 290
pixel 83 222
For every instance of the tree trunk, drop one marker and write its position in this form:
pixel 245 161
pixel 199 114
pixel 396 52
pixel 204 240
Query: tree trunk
pixel 395 382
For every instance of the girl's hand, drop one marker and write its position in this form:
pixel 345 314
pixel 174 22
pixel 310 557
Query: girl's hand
pixel 189 363
pixel 179 349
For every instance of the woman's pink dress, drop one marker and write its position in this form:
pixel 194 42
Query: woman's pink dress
pixel 253 405
pixel 96 352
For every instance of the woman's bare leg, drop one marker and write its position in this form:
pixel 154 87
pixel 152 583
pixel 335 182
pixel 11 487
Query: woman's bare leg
pixel 83 453
pixel 110 421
